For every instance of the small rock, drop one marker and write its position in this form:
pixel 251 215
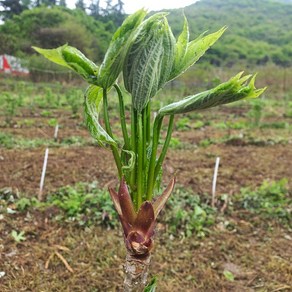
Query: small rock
pixel 11 254
pixel 233 268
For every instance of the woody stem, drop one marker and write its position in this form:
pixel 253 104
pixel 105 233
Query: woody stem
pixel 136 270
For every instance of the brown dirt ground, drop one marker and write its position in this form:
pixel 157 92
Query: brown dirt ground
pixel 258 253
pixel 239 167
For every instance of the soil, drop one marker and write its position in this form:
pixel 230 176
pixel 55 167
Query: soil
pixel 58 257
pixel 63 257
pixel 239 167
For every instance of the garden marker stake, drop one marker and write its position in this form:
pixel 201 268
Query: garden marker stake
pixel 56 132
pixel 40 196
pixel 215 181
pixel 147 55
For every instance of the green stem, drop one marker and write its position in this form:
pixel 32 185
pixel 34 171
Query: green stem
pixel 123 117
pixel 155 141
pixel 140 164
pixel 133 148
pixel 148 123
pixel 164 148
pixel 144 119
pixel 109 131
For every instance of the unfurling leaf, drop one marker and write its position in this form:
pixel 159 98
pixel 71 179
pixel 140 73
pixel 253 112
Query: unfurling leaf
pixel 131 161
pixel 73 59
pixel 93 98
pixel 113 61
pixel 168 43
pixel 149 60
pixel 187 54
pixel 233 90
pixel 181 48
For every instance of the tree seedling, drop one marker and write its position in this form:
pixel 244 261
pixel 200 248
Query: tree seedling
pixel 147 55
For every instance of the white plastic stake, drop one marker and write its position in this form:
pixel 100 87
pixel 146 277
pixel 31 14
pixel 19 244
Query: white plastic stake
pixel 56 132
pixel 215 181
pixel 43 175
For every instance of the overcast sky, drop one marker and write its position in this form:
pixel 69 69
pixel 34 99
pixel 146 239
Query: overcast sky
pixel 133 5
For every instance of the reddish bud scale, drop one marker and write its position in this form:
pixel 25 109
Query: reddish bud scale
pixel 138 227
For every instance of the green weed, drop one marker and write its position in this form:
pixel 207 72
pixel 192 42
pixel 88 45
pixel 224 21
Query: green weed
pixel 183 124
pixel 198 124
pixel 270 200
pixel 10 142
pixel 175 143
pixel 52 122
pixel 9 106
pixel 46 113
pixel 85 204
pixel 25 122
pixel 74 101
pixel 6 140
pixel 275 125
pixel 18 237
pixel 256 112
pixel 186 214
pixel 207 142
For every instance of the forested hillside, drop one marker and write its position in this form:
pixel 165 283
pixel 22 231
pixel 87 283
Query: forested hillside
pixel 258 30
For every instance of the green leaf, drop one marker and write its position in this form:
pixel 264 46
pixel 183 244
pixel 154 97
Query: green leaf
pixel 185 57
pixel 151 287
pixel 113 61
pixel 168 43
pixel 228 275
pixel 80 64
pixel 149 60
pixel 18 237
pixel 181 46
pixel 73 59
pixel 54 55
pixel 93 98
pixel 233 90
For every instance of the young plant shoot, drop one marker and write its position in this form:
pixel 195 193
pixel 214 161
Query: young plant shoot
pixel 147 55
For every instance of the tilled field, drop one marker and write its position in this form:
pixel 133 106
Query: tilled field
pixel 63 257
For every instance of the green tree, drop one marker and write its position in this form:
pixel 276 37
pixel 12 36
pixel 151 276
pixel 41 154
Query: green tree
pixel 62 3
pixel 95 9
pixel 10 8
pixel 52 27
pixel 80 5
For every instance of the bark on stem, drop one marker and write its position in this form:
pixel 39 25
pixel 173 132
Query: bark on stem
pixel 136 270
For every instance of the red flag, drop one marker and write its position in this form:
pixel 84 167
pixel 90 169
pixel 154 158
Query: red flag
pixel 6 66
